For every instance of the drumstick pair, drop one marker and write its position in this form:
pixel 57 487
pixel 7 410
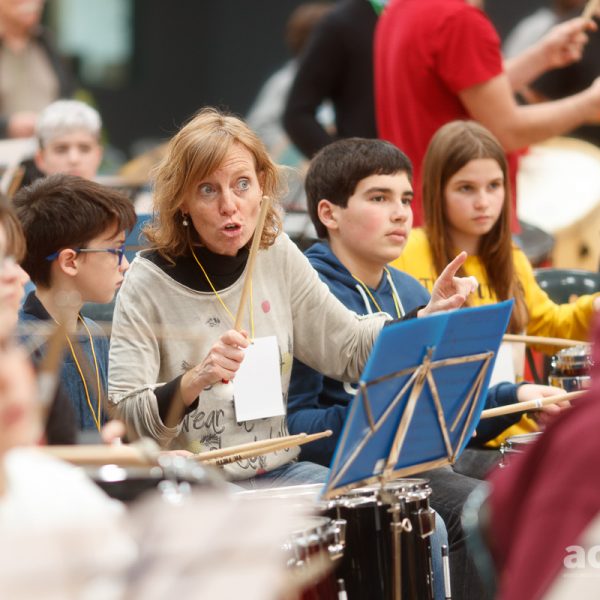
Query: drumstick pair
pixel 221 452
pixel 253 449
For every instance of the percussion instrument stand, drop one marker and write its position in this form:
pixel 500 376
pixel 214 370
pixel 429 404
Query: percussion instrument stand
pixel 398 527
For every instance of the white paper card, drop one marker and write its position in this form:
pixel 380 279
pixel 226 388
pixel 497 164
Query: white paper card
pixel 257 384
pixel 504 367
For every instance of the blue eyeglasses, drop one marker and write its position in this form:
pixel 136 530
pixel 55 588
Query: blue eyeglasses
pixel 119 252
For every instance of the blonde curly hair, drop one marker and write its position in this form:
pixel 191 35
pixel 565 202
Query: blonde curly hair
pixel 195 152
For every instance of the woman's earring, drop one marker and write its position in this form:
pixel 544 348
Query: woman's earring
pixel 185 221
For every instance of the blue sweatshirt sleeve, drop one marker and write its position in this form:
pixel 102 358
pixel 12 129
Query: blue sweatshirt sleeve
pixel 307 415
pixel 498 395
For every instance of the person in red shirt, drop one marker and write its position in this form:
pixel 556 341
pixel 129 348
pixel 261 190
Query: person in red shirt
pixel 440 60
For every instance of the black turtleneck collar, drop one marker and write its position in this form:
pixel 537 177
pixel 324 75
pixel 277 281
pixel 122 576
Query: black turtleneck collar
pixel 222 270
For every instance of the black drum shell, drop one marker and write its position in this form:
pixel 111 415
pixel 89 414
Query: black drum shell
pixel 367 565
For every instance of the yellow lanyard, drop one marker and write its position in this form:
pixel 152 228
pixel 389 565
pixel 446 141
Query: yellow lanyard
pixel 212 287
pixel 394 295
pixel 96 415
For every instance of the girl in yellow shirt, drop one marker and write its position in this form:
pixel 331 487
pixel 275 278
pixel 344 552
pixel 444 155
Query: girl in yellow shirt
pixel 466 202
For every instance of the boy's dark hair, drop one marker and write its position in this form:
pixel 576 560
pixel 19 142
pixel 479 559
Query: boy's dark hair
pixel 64 211
pixel 336 170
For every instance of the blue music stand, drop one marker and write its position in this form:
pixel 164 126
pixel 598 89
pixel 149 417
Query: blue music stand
pixel 420 396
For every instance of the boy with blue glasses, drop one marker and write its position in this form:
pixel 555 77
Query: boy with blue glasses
pixel 75 231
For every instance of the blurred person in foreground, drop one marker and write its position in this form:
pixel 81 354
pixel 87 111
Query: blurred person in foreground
pixel 77 519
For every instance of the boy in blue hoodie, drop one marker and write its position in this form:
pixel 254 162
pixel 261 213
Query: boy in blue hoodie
pixel 359 195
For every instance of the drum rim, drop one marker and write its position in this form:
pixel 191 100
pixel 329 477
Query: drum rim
pixel 111 473
pixel 318 522
pixel 410 483
pixel 414 484
pixel 401 489
pixel 575 356
pixel 523 438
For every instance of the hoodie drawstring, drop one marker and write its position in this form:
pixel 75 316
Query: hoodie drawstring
pixel 362 288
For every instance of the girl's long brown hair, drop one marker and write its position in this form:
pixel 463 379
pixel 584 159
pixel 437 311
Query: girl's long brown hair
pixel 451 148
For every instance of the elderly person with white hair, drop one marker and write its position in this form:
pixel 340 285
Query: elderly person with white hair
pixel 68 134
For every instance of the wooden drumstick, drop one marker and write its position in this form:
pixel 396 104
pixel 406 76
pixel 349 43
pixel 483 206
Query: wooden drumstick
pixel 258 231
pixel 590 9
pixel 530 405
pixel 275 446
pixel 221 452
pixel 542 341
pixel 126 455
pixel 266 203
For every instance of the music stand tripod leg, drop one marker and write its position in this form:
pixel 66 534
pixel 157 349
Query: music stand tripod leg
pixel 398 526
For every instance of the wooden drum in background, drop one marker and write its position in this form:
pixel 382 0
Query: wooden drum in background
pixel 559 191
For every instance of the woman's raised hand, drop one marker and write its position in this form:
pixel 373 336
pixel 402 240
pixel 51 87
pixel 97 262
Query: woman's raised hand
pixel 450 292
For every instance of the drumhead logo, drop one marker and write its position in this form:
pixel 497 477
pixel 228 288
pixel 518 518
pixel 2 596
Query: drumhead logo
pixel 579 558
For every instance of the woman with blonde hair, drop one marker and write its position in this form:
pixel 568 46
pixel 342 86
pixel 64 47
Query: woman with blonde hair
pixel 466 201
pixel 174 348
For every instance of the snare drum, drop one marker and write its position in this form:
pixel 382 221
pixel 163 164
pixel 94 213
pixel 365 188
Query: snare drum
pixel 314 535
pixel 388 549
pixel 316 538
pixel 516 444
pixel 174 479
pixel 570 368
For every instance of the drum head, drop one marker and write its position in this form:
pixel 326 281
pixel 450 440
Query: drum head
pixel 397 488
pixel 366 491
